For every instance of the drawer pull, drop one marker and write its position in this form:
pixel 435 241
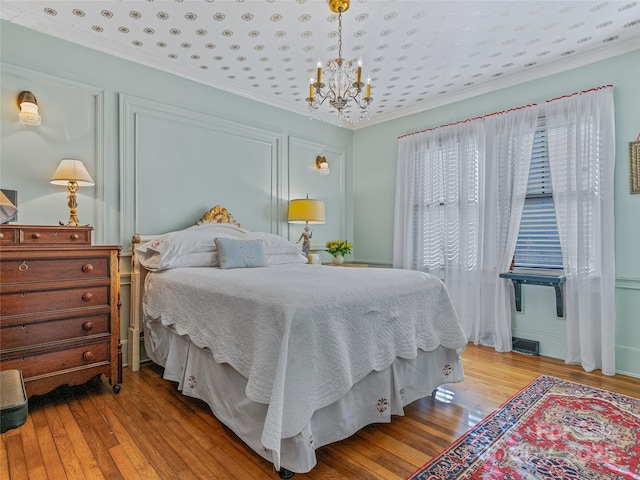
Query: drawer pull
pixel 87 326
pixel 87 268
pixel 75 236
pixel 23 267
pixel 35 235
pixel 87 356
pixel 87 297
pixel 1 236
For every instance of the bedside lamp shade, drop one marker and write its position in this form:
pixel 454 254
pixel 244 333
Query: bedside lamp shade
pixel 72 171
pixel 73 174
pixel 7 209
pixel 307 210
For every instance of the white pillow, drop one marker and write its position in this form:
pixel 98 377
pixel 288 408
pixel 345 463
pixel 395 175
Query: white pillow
pixel 172 249
pixel 155 262
pixel 282 258
pixel 195 247
pixel 273 243
pixel 279 250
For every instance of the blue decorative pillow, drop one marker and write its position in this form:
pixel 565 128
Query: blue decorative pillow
pixel 235 253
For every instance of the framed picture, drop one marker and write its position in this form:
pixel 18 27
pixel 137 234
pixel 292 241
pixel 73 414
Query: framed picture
pixel 634 166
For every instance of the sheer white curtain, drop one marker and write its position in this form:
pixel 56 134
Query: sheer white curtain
pixel 437 211
pixel 581 141
pixel 459 196
pixel 509 145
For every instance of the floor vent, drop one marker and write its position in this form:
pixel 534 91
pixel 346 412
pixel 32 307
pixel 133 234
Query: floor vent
pixel 522 345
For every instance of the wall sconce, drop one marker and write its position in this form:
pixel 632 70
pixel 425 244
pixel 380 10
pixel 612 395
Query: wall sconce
pixel 73 174
pixel 28 109
pixel 322 165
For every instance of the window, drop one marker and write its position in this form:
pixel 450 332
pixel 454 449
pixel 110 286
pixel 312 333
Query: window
pixel 538 244
pixel 449 210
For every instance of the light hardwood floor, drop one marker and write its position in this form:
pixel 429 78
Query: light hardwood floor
pixel 150 430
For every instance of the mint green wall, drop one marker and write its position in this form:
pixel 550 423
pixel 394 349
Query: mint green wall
pixel 54 60
pixel 374 173
pixel 162 149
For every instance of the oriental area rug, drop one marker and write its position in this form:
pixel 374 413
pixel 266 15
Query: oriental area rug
pixel 551 429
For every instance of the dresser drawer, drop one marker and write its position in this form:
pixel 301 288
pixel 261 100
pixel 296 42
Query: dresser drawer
pixel 17 270
pixel 40 301
pixel 58 360
pixel 55 236
pixel 9 236
pixel 36 333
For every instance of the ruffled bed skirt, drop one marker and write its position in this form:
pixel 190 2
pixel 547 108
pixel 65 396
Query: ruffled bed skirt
pixel 372 400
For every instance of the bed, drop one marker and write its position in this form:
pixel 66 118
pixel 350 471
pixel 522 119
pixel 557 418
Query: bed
pixel 289 356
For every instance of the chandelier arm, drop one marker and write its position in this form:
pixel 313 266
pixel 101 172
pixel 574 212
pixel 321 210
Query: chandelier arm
pixel 353 95
pixel 331 92
pixel 363 107
pixel 324 95
pixel 323 98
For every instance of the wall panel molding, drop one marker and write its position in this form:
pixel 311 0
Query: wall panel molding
pixel 303 178
pixel 627 360
pixel 630 283
pixel 134 110
pixel 102 172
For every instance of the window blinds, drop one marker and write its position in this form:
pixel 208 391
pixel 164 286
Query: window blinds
pixel 538 244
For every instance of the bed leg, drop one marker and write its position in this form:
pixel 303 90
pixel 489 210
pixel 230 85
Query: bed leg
pixel 284 473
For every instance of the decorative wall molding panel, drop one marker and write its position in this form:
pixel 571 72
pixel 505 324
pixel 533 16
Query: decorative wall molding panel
pixel 176 164
pixel 54 139
pixel 304 179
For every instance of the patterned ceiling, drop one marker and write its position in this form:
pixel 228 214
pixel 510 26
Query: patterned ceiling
pixel 418 54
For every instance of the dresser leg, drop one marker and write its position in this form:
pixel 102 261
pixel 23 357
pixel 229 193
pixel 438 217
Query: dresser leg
pixel 119 380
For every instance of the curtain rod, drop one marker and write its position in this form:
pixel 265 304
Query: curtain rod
pixel 580 93
pixel 469 120
pixel 503 111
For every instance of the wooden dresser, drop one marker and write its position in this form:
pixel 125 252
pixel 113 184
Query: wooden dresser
pixel 59 307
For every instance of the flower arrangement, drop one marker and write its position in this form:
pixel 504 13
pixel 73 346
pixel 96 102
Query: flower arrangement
pixel 339 247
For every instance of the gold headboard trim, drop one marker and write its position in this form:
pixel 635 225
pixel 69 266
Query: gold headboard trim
pixel 218 214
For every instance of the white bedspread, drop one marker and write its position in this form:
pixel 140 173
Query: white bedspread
pixel 302 335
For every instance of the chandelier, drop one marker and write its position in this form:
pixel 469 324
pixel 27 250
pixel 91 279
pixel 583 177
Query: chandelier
pixel 344 88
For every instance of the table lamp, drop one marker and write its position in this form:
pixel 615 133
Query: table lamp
pixel 73 174
pixel 7 209
pixel 307 211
